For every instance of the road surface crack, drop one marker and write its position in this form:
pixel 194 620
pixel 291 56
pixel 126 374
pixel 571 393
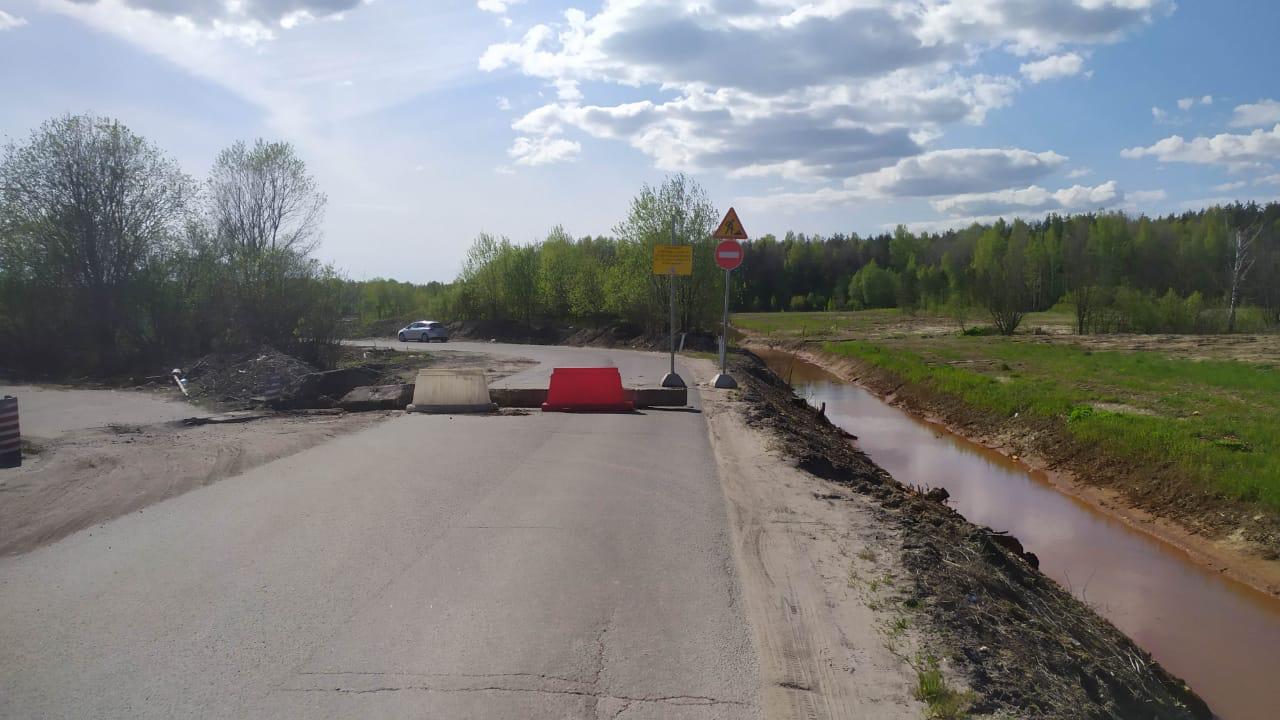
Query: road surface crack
pixel 691 700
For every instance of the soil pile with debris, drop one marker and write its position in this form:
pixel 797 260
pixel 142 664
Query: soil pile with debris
pixel 244 378
pixel 1025 645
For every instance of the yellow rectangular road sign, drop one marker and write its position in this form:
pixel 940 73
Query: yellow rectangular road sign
pixel 676 259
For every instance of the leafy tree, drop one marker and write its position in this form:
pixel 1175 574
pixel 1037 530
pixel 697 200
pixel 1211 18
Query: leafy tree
pixel 1000 284
pixel 88 209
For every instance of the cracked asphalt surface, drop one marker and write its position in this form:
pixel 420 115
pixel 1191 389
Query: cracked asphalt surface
pixel 546 565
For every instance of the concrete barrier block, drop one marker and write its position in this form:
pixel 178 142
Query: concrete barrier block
pixel 640 397
pixel 377 397
pixel 451 391
pixel 590 389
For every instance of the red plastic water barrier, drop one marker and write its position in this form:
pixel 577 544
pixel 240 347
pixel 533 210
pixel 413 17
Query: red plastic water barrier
pixel 586 390
pixel 10 435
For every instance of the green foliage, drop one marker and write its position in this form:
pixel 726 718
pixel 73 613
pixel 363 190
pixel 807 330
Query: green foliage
pixel 1009 269
pixel 101 234
pixel 602 279
pixel 873 287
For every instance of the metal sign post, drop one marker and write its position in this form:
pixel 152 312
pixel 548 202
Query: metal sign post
pixel 728 256
pixel 672 378
pixel 673 260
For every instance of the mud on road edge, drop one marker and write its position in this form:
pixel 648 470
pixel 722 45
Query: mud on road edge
pixel 1025 645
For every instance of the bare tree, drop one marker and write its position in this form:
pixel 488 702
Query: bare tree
pixel 85 207
pixel 1241 263
pixel 265 210
pixel 263 200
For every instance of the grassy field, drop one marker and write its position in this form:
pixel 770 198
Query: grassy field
pixel 1215 419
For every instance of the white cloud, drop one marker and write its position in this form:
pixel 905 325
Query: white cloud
pixel 1230 186
pixel 543 150
pixel 567 90
pixel 1226 149
pixel 1037 26
pixel 930 174
pixel 964 170
pixel 1079 173
pixel 1206 100
pixel 1186 103
pixel 795 88
pixel 9 22
pixel 250 21
pixel 1034 199
pixel 392 56
pixel 1259 114
pixel 1158 115
pixel 498 7
pixel 1054 66
pixel 1138 197
pixel 1268 180
pixel 503 103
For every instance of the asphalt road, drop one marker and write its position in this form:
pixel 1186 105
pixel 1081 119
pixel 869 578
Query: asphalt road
pixel 545 565
pixel 50 412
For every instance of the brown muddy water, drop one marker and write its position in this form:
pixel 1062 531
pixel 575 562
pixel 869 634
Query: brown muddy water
pixel 1220 636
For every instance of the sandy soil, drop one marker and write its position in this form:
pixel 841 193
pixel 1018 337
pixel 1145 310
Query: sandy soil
pixel 803 547
pixel 88 477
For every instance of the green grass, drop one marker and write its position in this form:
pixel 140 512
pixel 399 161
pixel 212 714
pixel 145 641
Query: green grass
pixel 878 323
pixel 1216 420
pixel 941 701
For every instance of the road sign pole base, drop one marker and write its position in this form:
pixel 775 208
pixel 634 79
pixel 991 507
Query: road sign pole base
pixel 724 381
pixel 672 380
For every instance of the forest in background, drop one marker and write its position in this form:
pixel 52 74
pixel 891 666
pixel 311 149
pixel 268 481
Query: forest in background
pixel 113 259
pixel 1213 270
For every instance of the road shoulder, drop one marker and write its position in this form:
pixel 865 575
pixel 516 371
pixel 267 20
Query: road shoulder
pixel 813 564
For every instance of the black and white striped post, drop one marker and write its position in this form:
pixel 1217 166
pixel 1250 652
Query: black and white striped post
pixel 10 434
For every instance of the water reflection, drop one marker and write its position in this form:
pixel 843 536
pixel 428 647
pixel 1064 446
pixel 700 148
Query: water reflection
pixel 1219 635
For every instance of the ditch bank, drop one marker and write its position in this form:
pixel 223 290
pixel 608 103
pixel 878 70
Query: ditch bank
pixel 1025 646
pixel 1229 537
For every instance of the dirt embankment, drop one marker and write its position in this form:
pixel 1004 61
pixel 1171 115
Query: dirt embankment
pixel 1228 536
pixel 1025 645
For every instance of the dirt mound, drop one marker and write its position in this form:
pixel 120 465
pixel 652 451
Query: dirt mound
pixel 244 378
pixel 1027 646
pixel 508 331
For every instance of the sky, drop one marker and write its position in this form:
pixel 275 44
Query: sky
pixel 427 123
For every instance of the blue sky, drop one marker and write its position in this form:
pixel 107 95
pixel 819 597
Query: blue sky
pixel 429 122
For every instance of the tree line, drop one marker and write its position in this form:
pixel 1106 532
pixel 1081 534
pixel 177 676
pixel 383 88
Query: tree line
pixel 587 280
pixel 1117 273
pixel 1190 273
pixel 112 258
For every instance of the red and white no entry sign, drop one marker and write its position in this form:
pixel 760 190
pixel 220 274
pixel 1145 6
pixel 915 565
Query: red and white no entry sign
pixel 729 254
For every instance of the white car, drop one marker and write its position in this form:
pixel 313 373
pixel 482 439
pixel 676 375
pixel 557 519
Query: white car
pixel 424 331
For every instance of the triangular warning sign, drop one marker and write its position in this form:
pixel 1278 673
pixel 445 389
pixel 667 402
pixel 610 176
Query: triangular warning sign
pixel 730 228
